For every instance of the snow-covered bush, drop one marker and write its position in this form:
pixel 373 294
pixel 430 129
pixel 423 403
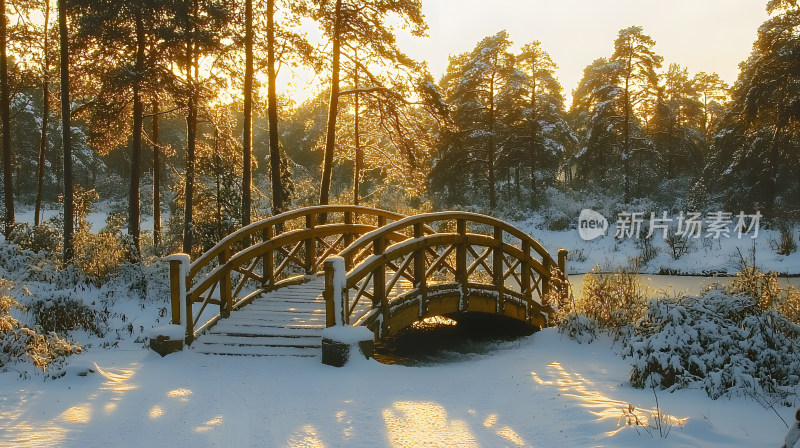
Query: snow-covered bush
pixel 18 342
pixel 725 345
pixel 62 312
pixel 42 238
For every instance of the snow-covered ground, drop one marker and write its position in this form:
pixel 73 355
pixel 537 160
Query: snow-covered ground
pixel 705 256
pixel 541 391
pixel 544 390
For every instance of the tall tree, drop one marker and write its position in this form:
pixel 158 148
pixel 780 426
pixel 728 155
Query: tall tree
pixel 542 115
pixel 5 118
pixel 754 162
pixel 43 142
pixel 66 128
pixel 633 51
pixel 364 25
pixel 472 86
pixel 596 117
pixel 714 94
pixel 272 115
pixel 129 30
pixel 247 132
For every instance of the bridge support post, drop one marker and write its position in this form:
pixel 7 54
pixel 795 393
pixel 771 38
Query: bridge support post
pixel 225 292
pixel 420 280
pixel 336 306
pixel 178 276
pixel 461 263
pixel 311 222
pixel 497 268
pixel 562 266
pixel 379 285
pixel 268 261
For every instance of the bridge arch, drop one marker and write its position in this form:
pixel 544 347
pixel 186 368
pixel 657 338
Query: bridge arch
pixel 470 263
pixel 396 269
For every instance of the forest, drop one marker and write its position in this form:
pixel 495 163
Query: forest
pixel 171 109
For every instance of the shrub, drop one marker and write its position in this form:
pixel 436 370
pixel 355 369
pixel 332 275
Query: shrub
pixel 43 237
pixel 62 314
pixel 19 342
pixel 613 300
pixel 726 345
pixel 786 244
pixel 99 255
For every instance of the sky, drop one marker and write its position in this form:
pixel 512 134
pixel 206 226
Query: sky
pixel 702 35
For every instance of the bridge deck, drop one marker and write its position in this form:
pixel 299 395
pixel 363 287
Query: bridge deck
pixel 285 322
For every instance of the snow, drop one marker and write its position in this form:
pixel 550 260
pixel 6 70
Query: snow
pixel 347 334
pixel 172 332
pixel 705 256
pixel 544 390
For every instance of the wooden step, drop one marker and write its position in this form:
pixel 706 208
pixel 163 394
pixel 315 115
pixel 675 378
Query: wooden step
pixel 260 340
pixel 217 349
pixel 284 322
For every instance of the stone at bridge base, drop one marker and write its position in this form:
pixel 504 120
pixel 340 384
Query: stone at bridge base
pixel 166 339
pixel 339 342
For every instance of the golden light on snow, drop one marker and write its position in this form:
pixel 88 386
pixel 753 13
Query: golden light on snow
pixel 118 380
pixel 306 437
pixel 624 414
pixel 180 394
pixel 156 412
pixel 425 424
pixel 209 425
pixel 505 432
pixel 77 414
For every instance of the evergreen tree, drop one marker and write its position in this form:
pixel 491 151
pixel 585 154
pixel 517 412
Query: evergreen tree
pixel 543 126
pixel 637 63
pixel 472 86
pixel 755 151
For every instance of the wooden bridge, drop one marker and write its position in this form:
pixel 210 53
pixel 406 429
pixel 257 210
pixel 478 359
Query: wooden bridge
pixel 268 290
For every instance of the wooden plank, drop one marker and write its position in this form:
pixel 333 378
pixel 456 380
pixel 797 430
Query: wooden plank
pixel 480 304
pixel 217 349
pixel 269 341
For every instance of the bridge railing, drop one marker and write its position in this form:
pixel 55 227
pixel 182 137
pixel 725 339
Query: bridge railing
pixel 469 254
pixel 268 254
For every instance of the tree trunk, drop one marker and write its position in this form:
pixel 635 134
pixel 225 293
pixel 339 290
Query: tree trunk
pixel 134 209
pixel 333 110
pixel 45 115
pixel 65 127
pixel 247 132
pixel 534 135
pixel 490 148
pixel 626 134
pixel 5 113
pixel 156 178
pixel 359 157
pixel 191 132
pixel 272 116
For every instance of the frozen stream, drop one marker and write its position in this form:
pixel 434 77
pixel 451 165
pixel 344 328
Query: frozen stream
pixel 678 284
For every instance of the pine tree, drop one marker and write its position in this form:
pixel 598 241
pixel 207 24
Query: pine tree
pixel 633 52
pixel 544 124
pixel 472 86
pixel 755 151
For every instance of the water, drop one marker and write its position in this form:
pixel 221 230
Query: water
pixel 441 340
